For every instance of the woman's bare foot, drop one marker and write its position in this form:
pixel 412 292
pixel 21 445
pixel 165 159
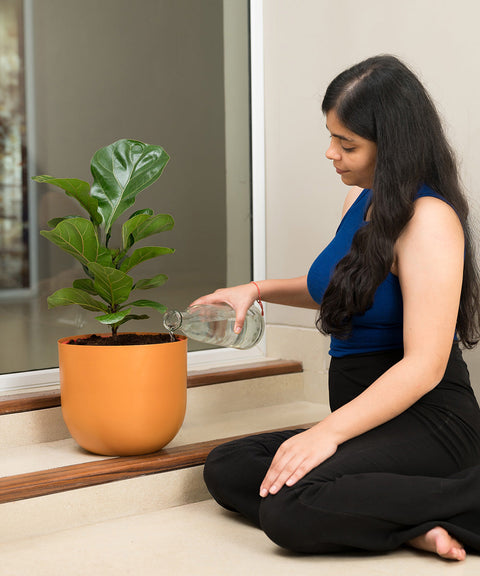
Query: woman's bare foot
pixel 439 541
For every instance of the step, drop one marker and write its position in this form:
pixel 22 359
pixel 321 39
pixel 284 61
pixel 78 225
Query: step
pixel 15 403
pixel 52 485
pixel 104 470
pixel 36 417
pixel 100 488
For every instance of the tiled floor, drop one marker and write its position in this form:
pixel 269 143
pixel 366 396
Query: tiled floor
pixel 199 539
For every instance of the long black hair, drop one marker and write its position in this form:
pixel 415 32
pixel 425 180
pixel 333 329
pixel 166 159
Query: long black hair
pixel 382 100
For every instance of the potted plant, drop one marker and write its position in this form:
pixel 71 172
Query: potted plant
pixel 121 393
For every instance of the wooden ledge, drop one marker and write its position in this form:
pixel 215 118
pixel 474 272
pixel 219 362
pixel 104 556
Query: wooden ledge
pixel 40 400
pixel 245 372
pixel 44 482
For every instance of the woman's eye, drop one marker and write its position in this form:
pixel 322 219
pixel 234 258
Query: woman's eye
pixel 347 149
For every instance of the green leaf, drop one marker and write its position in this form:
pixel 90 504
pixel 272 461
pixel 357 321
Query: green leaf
pixel 112 285
pixel 120 172
pixel 155 225
pixel 142 226
pixel 120 318
pixel 55 221
pixel 85 284
pixel 77 237
pixel 114 318
pixel 67 296
pixel 142 254
pixel 78 189
pixel 149 226
pixel 129 227
pixel 132 317
pixel 149 304
pixel 148 211
pixel 147 283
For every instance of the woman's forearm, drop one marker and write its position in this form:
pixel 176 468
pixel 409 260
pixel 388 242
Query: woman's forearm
pixel 290 292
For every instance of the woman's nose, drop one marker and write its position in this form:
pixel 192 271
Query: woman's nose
pixel 332 152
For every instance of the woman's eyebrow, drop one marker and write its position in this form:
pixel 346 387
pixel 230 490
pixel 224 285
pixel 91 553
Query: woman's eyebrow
pixel 340 136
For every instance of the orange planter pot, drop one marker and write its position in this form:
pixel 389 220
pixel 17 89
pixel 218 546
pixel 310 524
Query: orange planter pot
pixel 123 400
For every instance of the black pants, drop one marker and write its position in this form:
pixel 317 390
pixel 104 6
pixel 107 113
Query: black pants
pixel 380 489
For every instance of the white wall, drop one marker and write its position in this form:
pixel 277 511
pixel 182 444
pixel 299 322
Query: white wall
pixel 308 42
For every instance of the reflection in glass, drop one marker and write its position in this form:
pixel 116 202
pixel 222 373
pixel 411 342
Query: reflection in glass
pixel 14 257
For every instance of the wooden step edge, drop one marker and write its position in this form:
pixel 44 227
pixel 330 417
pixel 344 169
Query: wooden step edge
pixel 45 482
pixel 243 372
pixel 14 403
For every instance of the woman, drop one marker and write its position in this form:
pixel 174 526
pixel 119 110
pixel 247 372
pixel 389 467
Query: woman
pixel 398 459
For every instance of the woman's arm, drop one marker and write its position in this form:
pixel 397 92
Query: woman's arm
pixel 291 292
pixel 429 261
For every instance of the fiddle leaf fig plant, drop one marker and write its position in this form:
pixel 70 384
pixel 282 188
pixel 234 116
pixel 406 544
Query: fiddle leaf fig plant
pixel 120 171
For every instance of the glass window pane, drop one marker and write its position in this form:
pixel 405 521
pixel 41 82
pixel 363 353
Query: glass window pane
pixel 173 73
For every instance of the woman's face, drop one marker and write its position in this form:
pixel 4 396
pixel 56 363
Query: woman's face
pixel 353 157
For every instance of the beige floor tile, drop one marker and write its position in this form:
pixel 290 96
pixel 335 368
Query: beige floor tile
pixel 203 540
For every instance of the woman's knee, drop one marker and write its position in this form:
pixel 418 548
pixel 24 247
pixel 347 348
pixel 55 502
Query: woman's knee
pixel 215 471
pixel 285 521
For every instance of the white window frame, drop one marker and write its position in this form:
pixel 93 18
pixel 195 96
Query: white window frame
pixel 22 382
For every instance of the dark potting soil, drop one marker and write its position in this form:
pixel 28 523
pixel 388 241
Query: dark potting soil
pixel 126 339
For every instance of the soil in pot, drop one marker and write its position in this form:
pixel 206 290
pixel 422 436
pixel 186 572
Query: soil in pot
pixel 126 339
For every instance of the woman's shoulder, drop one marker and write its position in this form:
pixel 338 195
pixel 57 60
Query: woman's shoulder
pixel 433 218
pixel 429 204
pixel 425 191
pixel 352 195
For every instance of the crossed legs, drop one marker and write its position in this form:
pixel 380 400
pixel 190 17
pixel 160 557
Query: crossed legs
pixel 378 492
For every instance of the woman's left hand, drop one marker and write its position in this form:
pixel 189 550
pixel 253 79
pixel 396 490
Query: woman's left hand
pixel 296 457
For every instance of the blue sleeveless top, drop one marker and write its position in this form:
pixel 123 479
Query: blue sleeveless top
pixel 380 328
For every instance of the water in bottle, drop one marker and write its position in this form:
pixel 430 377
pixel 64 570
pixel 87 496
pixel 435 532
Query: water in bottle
pixel 214 324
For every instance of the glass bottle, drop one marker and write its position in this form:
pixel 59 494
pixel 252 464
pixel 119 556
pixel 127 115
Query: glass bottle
pixel 214 324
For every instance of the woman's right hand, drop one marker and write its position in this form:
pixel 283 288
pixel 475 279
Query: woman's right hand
pixel 240 298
